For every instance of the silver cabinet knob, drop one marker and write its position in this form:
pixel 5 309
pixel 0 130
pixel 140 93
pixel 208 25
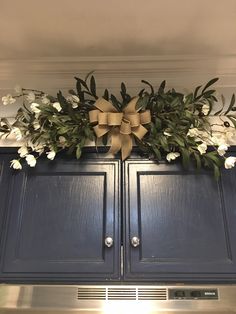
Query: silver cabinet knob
pixel 135 241
pixel 108 241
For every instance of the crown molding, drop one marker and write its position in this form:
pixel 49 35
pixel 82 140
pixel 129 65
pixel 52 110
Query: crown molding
pixel 182 72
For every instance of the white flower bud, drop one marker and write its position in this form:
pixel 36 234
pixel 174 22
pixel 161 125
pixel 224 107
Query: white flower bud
pixel 205 109
pixel 230 162
pixel 57 106
pixel 15 164
pixel 172 156
pixel 31 161
pixel 36 125
pixel 202 148
pixel 194 132
pixel 222 149
pixel 51 155
pixel 23 151
pixel 35 107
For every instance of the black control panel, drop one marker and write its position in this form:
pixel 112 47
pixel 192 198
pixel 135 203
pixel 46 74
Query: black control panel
pixel 192 294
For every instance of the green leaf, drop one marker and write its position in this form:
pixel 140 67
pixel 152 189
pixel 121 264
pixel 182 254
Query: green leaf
pixel 63 130
pixel 185 157
pixel 88 75
pixel 158 123
pixel 188 99
pixel 179 140
pixel 196 91
pixel 105 139
pixel 214 157
pixel 106 94
pixel 93 86
pixel 233 120
pixel 115 102
pixel 162 87
pixel 211 82
pixel 209 93
pixel 198 161
pixel 157 152
pixel 232 102
pixel 62 100
pixel 142 103
pixel 89 133
pixel 123 88
pixel 141 92
pixel 216 171
pixel 82 82
pixel 150 85
pixel 164 143
pixel 78 151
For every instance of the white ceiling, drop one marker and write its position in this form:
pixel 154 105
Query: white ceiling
pixel 57 28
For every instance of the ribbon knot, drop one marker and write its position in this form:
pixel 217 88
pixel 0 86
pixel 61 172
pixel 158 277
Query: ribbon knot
pixel 120 125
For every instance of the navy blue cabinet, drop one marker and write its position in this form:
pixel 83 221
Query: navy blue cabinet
pixel 57 217
pixel 175 225
pixel 185 222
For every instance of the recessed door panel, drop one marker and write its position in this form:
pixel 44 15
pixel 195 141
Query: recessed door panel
pixel 183 223
pixel 58 219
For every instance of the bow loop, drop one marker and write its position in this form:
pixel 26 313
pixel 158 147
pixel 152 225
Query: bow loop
pixel 120 125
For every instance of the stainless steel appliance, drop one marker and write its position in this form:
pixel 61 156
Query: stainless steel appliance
pixel 117 299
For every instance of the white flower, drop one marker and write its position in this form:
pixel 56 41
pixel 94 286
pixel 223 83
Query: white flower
pixel 193 132
pixel 18 89
pixel 172 156
pixel 229 162
pixel 15 164
pixel 31 161
pixel 17 133
pixel 36 125
pixel 202 148
pixel 222 149
pixel 51 155
pixel 74 100
pixel 62 141
pixel 30 97
pixel 35 107
pixel 8 100
pixel 45 100
pixel 205 109
pixel 167 133
pixel 57 106
pixel 23 151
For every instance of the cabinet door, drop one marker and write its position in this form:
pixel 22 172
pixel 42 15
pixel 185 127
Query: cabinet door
pixel 186 222
pixel 58 215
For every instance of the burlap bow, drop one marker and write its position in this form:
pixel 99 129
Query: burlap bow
pixel 120 125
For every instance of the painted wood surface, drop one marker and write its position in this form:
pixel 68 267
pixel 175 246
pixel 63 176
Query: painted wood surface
pixel 185 221
pixel 58 216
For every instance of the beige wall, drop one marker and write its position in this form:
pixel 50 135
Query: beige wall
pixel 33 28
pixel 43 44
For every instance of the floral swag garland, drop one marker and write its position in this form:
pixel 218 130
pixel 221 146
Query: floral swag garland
pixel 161 123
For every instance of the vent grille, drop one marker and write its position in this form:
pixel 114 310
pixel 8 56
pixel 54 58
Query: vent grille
pixel 91 293
pixel 121 293
pixel 151 294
